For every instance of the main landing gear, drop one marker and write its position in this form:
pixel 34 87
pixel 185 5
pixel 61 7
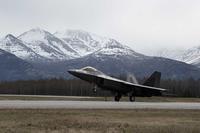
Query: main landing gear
pixel 131 97
pixel 118 97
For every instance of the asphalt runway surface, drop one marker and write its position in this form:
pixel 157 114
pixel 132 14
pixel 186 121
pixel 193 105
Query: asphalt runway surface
pixel 22 104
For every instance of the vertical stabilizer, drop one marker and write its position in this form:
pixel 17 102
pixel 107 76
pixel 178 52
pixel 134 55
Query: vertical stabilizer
pixel 153 80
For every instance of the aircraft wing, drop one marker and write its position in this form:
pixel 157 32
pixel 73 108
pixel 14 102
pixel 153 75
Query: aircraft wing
pixel 144 86
pixel 127 86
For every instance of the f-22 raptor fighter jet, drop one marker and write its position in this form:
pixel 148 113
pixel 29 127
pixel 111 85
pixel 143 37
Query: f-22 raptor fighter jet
pixel 120 87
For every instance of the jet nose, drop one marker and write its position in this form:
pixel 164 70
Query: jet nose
pixel 72 71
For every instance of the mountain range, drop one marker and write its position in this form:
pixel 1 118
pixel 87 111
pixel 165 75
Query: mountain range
pixel 14 68
pixel 189 56
pixel 42 54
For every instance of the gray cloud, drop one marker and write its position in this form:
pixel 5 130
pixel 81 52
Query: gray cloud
pixel 145 25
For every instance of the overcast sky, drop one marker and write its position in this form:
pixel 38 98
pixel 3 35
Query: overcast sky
pixel 144 25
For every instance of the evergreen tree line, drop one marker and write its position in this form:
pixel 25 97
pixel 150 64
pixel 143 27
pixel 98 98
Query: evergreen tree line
pixel 60 87
pixel 75 87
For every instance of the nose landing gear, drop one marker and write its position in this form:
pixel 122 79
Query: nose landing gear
pixel 94 88
pixel 118 97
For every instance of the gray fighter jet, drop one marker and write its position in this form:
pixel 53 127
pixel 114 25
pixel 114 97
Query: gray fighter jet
pixel 120 87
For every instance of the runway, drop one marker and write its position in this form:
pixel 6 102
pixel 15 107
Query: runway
pixel 20 104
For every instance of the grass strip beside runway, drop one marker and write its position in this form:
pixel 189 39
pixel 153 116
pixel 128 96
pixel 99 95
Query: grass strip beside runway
pixel 119 121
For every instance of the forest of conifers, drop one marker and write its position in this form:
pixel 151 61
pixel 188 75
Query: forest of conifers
pixel 75 87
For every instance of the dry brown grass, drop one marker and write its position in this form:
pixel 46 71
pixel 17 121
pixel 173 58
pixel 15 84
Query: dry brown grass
pixel 84 121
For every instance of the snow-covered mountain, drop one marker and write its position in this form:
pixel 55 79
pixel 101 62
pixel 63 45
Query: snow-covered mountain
pixel 189 56
pixel 38 45
pixel 83 42
pixel 192 56
pixel 15 46
pixel 54 54
pixel 115 49
pixel 47 45
pixel 175 54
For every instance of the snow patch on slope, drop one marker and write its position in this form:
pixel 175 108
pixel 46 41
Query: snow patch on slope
pixel 83 42
pixel 47 45
pixel 190 56
pixel 15 46
pixel 64 45
pixel 34 35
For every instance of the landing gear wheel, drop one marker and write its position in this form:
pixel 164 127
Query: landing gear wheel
pixel 118 97
pixel 94 90
pixel 132 98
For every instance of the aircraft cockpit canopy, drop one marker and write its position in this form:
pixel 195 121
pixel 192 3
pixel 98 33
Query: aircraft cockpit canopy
pixel 91 70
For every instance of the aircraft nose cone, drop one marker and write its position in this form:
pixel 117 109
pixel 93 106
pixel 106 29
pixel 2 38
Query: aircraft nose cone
pixel 72 71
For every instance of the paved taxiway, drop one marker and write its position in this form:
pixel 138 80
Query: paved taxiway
pixel 20 104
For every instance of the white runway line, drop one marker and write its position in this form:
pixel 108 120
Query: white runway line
pixel 20 104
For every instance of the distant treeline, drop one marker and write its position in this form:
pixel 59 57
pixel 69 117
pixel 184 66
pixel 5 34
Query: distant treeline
pixel 61 87
pixel 75 87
